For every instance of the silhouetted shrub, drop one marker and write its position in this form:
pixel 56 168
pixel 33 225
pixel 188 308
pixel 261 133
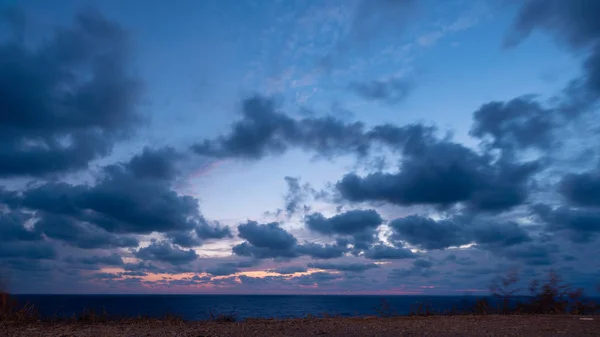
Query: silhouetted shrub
pixel 551 296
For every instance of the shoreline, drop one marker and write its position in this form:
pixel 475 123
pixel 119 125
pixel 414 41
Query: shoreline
pixel 456 325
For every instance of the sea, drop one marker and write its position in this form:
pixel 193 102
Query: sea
pixel 201 307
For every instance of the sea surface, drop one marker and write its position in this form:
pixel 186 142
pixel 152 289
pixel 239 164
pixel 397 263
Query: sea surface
pixel 199 307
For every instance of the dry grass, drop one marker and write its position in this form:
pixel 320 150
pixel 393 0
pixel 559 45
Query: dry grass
pixel 12 312
pixel 464 325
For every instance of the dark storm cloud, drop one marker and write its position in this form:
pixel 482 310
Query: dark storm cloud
pixel 246 249
pixel 165 252
pixel 504 234
pixel 186 239
pixel 269 235
pixel 155 164
pixel 517 124
pixel 12 227
pixel 582 189
pixel 443 174
pixel 265 241
pixel 351 222
pixel 122 201
pixel 383 252
pixel 79 234
pixel 67 101
pixel 349 267
pixel 389 91
pixel 580 225
pixel 19 242
pixel 56 198
pixel 201 233
pixel 205 231
pixel 428 233
pixel 573 23
pixel 361 225
pixel 432 234
pixel 265 131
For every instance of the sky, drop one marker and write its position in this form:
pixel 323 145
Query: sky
pixel 301 147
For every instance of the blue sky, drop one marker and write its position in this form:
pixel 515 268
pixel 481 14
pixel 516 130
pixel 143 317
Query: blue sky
pixel 196 67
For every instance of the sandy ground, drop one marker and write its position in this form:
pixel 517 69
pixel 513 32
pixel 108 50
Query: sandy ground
pixel 398 326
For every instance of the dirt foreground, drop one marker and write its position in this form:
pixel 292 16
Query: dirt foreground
pixel 367 326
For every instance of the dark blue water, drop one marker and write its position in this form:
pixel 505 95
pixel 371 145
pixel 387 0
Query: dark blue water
pixel 198 307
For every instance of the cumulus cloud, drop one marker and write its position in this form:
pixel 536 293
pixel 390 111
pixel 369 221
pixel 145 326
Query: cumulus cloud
pixel 265 131
pixel 155 163
pixel 266 235
pixel 65 102
pixel 79 234
pixel 222 270
pixel 517 124
pixel 384 252
pixel 433 234
pixel 265 241
pixel 443 174
pixel 359 225
pixel 165 252
pixel 121 202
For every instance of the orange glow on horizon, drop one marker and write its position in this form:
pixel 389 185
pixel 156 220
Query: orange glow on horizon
pixel 154 277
